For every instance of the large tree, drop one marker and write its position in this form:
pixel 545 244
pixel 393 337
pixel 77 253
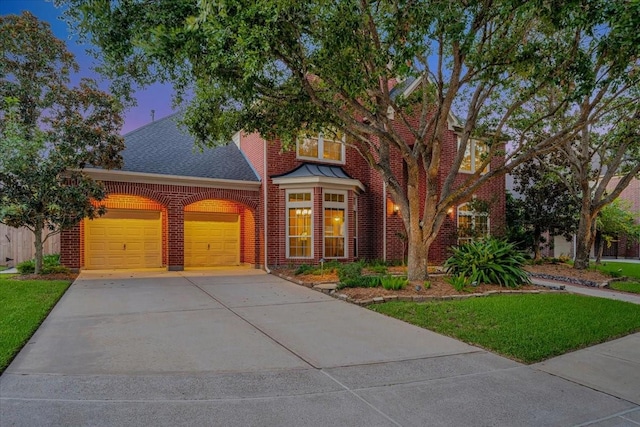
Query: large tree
pixel 282 67
pixel 601 103
pixel 49 132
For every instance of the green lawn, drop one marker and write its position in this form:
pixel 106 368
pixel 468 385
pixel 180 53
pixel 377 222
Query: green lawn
pixel 528 328
pixel 2 268
pixel 619 269
pixel 25 304
pixel 633 287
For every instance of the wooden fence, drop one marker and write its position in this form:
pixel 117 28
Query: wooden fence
pixel 16 245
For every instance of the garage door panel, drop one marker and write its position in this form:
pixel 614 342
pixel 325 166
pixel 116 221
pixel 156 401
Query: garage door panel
pixel 211 239
pixel 124 239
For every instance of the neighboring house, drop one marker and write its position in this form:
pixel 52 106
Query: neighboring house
pixel 250 202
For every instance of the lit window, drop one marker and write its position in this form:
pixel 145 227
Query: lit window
pixel 474 155
pixel 327 146
pixel 299 225
pixel 472 225
pixel 335 225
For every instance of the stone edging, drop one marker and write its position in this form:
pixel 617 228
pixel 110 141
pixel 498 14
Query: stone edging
pixel 327 289
pixel 572 280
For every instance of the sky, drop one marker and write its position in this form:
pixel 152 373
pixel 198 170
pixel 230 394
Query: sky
pixel 156 97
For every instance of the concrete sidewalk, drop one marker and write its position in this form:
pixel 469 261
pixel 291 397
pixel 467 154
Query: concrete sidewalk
pixel 242 348
pixel 589 291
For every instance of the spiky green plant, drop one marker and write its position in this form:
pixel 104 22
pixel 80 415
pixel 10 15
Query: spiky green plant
pixel 489 261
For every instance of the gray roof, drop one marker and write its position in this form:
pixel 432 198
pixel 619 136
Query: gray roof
pixel 162 147
pixel 306 170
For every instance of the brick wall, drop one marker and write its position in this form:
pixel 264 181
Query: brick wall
pixel 373 209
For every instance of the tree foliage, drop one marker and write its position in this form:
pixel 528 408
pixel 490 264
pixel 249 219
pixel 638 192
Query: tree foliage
pixel 544 204
pixel 614 220
pixel 601 105
pixel 49 132
pixel 282 68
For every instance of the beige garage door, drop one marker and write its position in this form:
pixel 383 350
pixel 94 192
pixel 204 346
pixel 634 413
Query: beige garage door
pixel 124 238
pixel 211 239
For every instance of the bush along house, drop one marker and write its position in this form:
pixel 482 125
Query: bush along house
pixel 252 203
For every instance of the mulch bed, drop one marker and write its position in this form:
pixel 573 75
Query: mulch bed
pixel 439 287
pixel 565 270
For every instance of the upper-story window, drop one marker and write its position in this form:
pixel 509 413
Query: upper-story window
pixel 326 146
pixel 474 156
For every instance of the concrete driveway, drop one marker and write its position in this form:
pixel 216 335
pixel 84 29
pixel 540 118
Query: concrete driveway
pixel 243 348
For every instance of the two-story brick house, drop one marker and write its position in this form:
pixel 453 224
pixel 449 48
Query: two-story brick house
pixel 251 202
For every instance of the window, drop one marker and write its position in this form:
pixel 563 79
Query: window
pixel 472 225
pixel 299 224
pixel 334 224
pixel 474 156
pixel 327 146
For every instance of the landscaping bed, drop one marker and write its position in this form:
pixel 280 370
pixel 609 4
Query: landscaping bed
pixel 438 286
pixel 567 271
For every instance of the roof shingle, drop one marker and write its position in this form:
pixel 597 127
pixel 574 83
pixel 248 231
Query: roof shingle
pixel 162 147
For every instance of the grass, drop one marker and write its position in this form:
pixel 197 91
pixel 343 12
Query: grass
pixel 633 287
pixel 619 269
pixel 527 328
pixel 25 304
pixel 2 267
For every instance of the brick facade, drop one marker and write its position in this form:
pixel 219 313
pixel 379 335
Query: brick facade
pixel 374 240
pixel 172 201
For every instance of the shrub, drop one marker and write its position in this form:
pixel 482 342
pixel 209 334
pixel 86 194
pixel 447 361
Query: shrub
pixel 303 269
pixel 378 269
pixel 360 282
pixel 349 271
pixel 393 283
pixel 459 282
pixel 426 285
pixel 489 261
pixel 50 264
pixel 27 267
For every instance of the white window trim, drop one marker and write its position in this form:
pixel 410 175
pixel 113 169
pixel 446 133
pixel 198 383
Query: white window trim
pixel 302 205
pixel 473 216
pixel 471 145
pixel 321 151
pixel 336 205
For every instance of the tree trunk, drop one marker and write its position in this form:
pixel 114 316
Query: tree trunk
pixel 599 247
pixel 536 244
pixel 417 256
pixel 585 236
pixel 38 246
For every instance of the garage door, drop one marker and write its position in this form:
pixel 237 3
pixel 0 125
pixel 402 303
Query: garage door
pixel 211 239
pixel 124 238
